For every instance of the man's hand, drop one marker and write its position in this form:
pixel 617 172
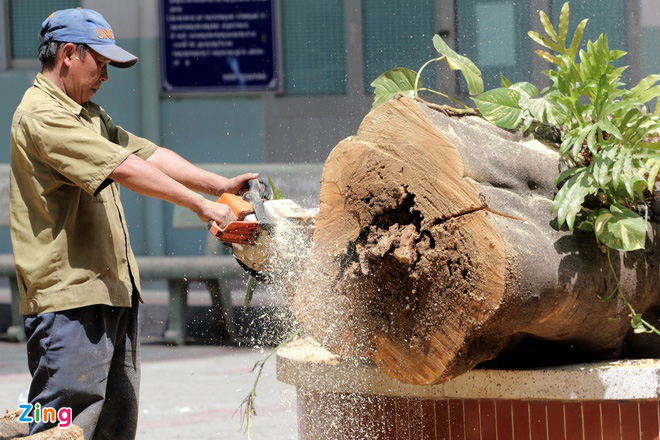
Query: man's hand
pixel 218 212
pixel 236 185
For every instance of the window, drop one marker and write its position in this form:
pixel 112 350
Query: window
pixel 493 34
pixel 397 34
pixel 313 46
pixel 20 38
pixel 650 49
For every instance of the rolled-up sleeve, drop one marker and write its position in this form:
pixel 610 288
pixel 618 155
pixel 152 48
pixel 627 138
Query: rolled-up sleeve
pixel 76 152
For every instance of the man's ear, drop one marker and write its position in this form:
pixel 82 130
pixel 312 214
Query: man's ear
pixel 68 53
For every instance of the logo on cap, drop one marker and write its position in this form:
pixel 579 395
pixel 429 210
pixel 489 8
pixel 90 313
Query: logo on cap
pixel 104 33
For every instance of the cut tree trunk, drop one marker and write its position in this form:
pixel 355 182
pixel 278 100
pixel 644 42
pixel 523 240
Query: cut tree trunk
pixel 435 250
pixel 11 428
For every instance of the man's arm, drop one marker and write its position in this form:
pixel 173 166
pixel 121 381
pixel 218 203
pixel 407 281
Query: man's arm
pixel 142 177
pixel 195 178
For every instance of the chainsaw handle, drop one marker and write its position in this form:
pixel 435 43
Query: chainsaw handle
pixel 259 187
pixel 241 232
pixel 253 185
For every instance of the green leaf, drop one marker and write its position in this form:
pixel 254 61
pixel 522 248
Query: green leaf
pixel 616 54
pixel 569 199
pixel 600 221
pixel 606 125
pixel 633 112
pixel 544 110
pixel 563 23
pixel 601 170
pixel 525 88
pixel 504 82
pixel 649 145
pixel 566 145
pixel 626 169
pixel 652 129
pixel 547 25
pixel 545 42
pixel 644 85
pixel 632 129
pixel 637 324
pixel 277 194
pixel 648 95
pixel 579 141
pixel 621 229
pixel 249 291
pixel 586 227
pixel 392 83
pixel 548 57
pixel 577 39
pixel 566 174
pixel 617 169
pixel 653 174
pixel 635 185
pixel 470 72
pixel 591 139
pixel 500 106
pixel 590 223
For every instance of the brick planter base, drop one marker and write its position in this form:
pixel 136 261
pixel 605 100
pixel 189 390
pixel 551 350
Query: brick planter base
pixel 345 399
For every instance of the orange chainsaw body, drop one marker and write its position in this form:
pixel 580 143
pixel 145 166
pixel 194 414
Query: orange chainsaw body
pixel 239 207
pixel 239 231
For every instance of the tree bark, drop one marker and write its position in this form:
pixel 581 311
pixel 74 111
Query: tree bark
pixel 435 250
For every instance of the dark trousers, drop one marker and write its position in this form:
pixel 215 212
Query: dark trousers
pixel 87 359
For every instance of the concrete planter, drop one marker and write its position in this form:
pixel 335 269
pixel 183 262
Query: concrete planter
pixel 346 399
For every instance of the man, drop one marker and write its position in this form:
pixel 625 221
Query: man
pixel 76 271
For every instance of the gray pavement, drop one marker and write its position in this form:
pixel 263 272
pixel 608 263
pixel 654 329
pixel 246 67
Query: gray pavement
pixel 189 392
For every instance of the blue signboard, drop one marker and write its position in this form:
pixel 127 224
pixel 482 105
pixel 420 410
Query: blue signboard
pixel 218 46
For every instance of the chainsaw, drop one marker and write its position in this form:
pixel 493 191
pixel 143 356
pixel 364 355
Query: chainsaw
pixel 253 235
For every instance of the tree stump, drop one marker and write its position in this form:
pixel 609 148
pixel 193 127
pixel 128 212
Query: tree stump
pixel 11 428
pixel 435 250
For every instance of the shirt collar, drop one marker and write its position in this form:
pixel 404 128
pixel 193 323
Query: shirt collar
pixel 43 83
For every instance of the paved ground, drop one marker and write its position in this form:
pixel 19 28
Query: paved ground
pixel 194 391
pixel 190 392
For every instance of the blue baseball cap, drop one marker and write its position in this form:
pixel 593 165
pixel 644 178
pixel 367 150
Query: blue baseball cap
pixel 85 26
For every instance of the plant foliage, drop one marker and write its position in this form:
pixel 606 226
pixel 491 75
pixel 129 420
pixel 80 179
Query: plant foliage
pixel 394 82
pixel 608 134
pixel 406 82
pixel 609 137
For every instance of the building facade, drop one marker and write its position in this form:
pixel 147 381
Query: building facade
pixel 329 53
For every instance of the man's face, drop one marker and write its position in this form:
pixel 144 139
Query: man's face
pixel 86 75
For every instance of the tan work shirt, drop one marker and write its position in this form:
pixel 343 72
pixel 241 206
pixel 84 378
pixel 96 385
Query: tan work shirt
pixel 67 224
